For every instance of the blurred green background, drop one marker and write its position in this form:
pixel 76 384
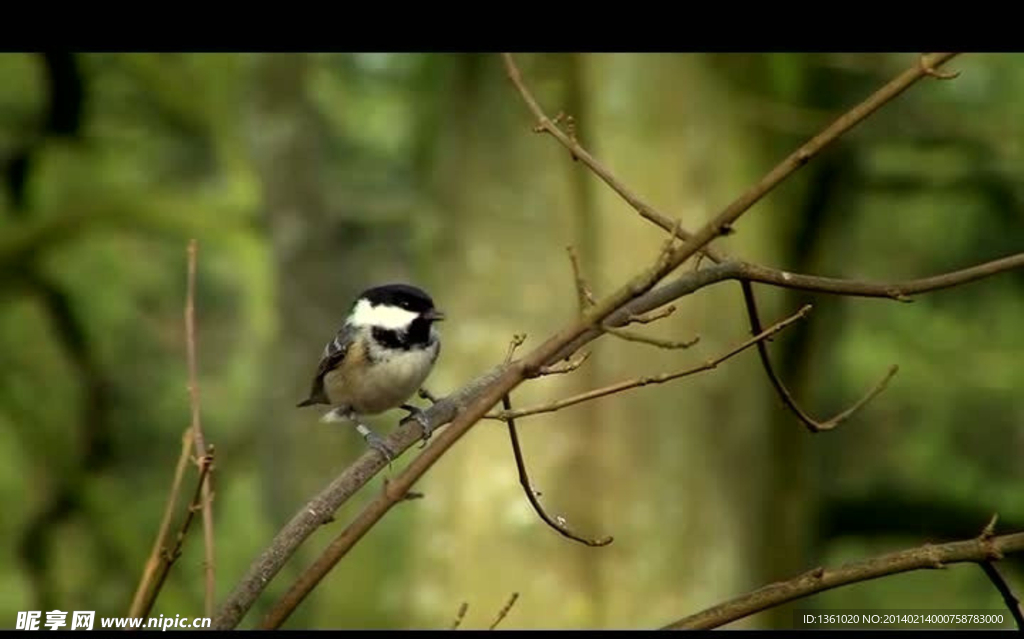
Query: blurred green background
pixel 307 177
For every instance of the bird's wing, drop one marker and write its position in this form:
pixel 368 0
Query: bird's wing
pixel 333 353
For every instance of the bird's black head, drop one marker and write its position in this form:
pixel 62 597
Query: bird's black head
pixel 403 296
pixel 395 306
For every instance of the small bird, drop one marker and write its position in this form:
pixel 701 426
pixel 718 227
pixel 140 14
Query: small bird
pixel 379 359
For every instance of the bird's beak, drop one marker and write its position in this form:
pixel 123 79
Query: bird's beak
pixel 434 315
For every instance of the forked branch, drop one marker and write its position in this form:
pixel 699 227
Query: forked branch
pixel 507 414
pixel 787 398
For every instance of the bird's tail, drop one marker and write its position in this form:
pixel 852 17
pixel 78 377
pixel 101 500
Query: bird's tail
pixel 306 402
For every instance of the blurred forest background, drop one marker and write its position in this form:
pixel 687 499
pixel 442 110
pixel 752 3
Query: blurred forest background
pixel 307 177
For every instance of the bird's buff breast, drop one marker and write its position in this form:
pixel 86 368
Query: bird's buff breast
pixel 384 386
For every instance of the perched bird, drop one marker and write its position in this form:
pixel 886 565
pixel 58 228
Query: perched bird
pixel 379 358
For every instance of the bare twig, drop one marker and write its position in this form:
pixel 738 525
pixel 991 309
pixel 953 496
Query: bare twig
pixel 938 75
pixel 584 297
pixel 630 336
pixel 924 66
pixel 546 125
pixel 651 317
pixel 900 291
pixel 517 341
pixel 566 367
pixel 820 580
pixel 168 557
pixel 558 523
pixel 989 567
pixel 145 594
pixel 787 398
pixel 460 615
pixel 524 479
pixel 197 429
pixel 504 611
pixel 1009 597
pixel 507 414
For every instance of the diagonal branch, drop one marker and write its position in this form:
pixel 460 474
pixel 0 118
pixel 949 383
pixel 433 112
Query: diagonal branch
pixel 504 611
pixel 820 579
pixel 989 567
pixel 787 398
pixel 508 414
pixel 145 594
pixel 1009 597
pixel 163 558
pixel 585 299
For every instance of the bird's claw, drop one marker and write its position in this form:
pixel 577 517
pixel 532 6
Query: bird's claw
pixel 420 416
pixel 375 442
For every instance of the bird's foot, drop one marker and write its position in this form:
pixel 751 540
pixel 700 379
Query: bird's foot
pixel 421 418
pixel 374 441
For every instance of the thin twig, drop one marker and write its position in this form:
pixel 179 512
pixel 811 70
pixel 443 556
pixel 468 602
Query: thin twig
pixel 584 297
pixel 787 398
pixel 197 429
pixel 722 223
pixel 651 317
pixel 900 291
pixel 989 567
pixel 563 368
pixel 1009 597
pixel 507 414
pixel 145 594
pixel 630 336
pixel 524 478
pixel 558 523
pixel 517 341
pixel 168 557
pixel 505 610
pixel 460 615
pixel 547 125
pixel 927 556
pixel 938 75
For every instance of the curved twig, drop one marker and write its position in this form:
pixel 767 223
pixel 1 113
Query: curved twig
pixel 524 480
pixel 787 398
pixel 551 407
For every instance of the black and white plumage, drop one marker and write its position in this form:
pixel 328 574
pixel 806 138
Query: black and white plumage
pixel 379 358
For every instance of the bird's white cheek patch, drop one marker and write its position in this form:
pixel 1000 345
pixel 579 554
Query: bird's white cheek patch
pixel 390 317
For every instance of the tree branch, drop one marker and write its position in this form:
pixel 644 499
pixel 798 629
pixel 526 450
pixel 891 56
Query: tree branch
pixel 858 288
pixel 507 414
pixel 203 454
pixel 993 574
pixel 557 524
pixel 820 579
pixel 1011 599
pixel 504 611
pixel 787 398
pixel 145 594
pixel 168 557
pixel 460 615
